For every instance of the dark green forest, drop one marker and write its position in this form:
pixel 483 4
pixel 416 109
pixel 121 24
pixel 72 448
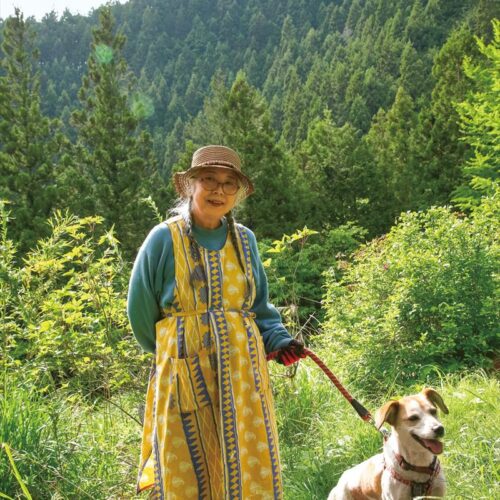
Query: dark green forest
pixel 371 130
pixel 343 111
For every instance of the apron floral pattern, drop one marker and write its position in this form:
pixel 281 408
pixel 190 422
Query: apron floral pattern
pixel 209 424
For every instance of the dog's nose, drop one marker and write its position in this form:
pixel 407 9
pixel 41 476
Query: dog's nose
pixel 438 430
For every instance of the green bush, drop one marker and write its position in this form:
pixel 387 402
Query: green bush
pixel 296 263
pixel 419 299
pixel 64 313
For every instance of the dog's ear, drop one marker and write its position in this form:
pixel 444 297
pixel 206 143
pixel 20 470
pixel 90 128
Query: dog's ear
pixel 435 398
pixel 388 413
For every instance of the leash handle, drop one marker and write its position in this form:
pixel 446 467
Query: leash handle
pixel 358 407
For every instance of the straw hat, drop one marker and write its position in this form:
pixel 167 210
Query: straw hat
pixel 214 157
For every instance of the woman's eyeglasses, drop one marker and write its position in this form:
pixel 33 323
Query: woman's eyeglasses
pixel 210 183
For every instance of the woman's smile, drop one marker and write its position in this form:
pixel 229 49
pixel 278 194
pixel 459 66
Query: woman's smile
pixel 216 203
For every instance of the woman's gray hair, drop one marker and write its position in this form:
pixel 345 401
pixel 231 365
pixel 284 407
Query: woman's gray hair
pixel 182 205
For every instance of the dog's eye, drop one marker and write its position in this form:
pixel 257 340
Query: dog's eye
pixel 433 411
pixel 413 418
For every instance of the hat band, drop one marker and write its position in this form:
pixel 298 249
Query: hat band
pixel 221 163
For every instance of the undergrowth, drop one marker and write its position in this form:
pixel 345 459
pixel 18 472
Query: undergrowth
pixel 66 447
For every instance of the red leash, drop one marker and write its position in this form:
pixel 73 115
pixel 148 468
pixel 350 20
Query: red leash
pixel 360 409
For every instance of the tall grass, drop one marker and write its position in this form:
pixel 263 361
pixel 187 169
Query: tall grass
pixel 321 435
pixel 65 447
pixel 68 448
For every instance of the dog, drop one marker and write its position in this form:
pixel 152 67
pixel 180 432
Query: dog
pixel 408 466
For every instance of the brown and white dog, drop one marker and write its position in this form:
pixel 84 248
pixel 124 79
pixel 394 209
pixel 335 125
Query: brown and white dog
pixel 408 466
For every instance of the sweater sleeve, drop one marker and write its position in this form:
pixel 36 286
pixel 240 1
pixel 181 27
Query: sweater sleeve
pixel 153 269
pixel 267 317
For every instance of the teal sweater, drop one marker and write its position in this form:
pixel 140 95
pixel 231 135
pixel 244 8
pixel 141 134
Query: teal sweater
pixel 152 285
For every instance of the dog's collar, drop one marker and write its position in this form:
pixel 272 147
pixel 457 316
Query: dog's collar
pixel 400 460
pixel 417 488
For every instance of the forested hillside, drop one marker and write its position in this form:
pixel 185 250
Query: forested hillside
pixel 343 111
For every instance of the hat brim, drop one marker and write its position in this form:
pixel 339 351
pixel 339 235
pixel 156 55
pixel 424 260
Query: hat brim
pixel 181 180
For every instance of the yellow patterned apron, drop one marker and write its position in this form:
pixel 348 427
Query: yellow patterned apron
pixel 209 424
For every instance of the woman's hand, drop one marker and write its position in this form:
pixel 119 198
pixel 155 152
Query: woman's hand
pixel 291 353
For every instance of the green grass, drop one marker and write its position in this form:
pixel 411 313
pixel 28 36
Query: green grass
pixel 67 448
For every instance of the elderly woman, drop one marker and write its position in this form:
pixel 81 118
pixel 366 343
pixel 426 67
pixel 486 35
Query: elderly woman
pixel 198 300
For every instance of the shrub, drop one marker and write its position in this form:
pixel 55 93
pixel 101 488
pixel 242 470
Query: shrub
pixel 420 297
pixel 296 263
pixel 64 310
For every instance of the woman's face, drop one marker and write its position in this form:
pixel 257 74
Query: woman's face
pixel 210 198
